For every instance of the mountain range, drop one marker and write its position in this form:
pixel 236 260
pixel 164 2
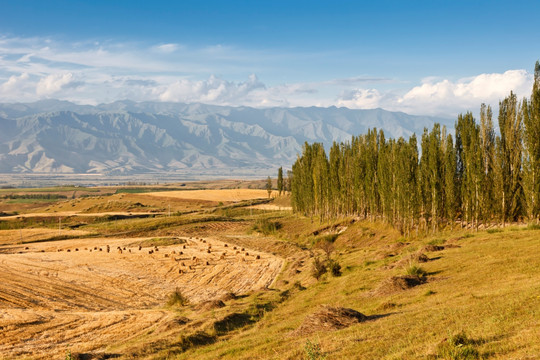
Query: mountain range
pixel 128 137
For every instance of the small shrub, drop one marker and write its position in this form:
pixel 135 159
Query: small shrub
pixel 319 268
pixel 68 355
pixel 415 270
pixel 176 298
pixel 298 285
pixel 313 351
pixel 326 246
pixel 429 292
pixel 335 268
pixel 493 231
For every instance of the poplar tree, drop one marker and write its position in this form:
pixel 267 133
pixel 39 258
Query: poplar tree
pixel 531 153
pixel 487 140
pixel 280 180
pixel 450 181
pixel 509 152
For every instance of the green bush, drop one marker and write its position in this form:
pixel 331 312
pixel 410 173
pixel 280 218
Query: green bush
pixel 313 351
pixel 176 298
pixel 319 268
pixel 335 268
pixel 415 270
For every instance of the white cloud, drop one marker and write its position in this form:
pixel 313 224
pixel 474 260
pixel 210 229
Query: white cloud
pixel 53 83
pixel 105 71
pixel 361 99
pixel 167 48
pixel 14 82
pixel 17 88
pixel 444 97
pixel 214 90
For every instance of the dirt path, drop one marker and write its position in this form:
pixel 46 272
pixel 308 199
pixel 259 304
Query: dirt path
pixel 85 299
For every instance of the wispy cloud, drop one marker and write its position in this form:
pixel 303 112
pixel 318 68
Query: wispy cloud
pixel 105 71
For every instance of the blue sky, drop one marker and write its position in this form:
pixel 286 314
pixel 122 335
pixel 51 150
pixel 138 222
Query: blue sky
pixel 423 57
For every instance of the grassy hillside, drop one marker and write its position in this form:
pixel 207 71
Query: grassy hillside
pixel 480 299
pixel 456 295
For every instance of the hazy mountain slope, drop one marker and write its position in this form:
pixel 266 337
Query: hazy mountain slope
pixel 128 137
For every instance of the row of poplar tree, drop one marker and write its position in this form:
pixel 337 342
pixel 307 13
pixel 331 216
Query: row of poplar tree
pixel 476 177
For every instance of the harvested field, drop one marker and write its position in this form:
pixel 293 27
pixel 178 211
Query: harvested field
pixel 216 195
pixel 271 207
pixel 56 295
pixel 30 235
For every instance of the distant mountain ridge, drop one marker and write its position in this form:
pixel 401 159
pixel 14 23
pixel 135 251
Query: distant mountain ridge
pixel 127 137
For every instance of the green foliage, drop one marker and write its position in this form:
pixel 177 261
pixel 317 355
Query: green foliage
pixel 266 226
pixel 298 285
pixel 176 298
pixel 458 347
pixel 35 196
pixel 313 351
pixel 415 270
pixel 334 267
pixel 199 338
pixel 533 227
pixel 269 186
pixel 68 355
pixel 319 268
pixel 478 178
pixel 280 184
pixel 437 242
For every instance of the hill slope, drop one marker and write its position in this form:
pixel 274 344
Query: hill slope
pixel 130 138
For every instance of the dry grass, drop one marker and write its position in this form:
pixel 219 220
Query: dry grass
pixel 477 296
pixel 487 289
pixel 216 195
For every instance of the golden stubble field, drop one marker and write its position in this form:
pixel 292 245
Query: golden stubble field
pixel 85 294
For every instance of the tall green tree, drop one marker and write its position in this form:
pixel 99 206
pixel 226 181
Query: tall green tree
pixel 531 153
pixel 280 180
pixel 509 151
pixel 487 140
pixel 269 186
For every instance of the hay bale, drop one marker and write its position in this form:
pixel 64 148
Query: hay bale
pixel 210 305
pixel 432 248
pixel 329 318
pixel 418 257
pixel 228 296
pixel 451 246
pixel 398 283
